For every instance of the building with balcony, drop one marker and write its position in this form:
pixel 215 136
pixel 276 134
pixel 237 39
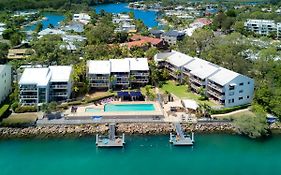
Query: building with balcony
pixel 171 37
pixel 226 87
pixel 118 73
pixel 124 23
pixel 83 18
pixel 43 85
pixel 261 27
pixel 174 63
pixel 99 74
pixel 5 81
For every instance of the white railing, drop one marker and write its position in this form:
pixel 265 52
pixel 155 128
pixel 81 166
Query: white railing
pixel 59 86
pixel 215 87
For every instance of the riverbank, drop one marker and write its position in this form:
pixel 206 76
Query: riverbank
pixel 55 131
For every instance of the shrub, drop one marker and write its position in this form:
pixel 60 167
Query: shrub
pixel 15 105
pixel 73 103
pixel 227 110
pixel 22 109
pixel 98 98
pixel 4 110
pixel 63 106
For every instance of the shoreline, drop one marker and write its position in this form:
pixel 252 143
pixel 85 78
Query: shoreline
pixel 61 131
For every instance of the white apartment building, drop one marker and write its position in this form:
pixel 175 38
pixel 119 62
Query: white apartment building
pixel 118 73
pixel 43 85
pixel 5 81
pixel 124 23
pixel 261 27
pixel 226 87
pixel 83 18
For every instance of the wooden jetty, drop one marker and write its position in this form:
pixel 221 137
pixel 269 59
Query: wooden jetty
pixel 180 138
pixel 111 140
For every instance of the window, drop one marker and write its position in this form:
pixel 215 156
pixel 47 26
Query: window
pixel 231 87
pixel 248 82
pixel 241 91
pixel 240 98
pixel 231 101
pixel 248 96
pixel 241 84
pixel 231 93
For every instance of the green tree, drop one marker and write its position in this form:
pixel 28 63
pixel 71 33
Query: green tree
pixel 38 27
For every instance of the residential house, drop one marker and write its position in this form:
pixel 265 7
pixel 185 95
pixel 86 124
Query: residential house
pixel 47 84
pixel 98 74
pixel 83 18
pixel 226 87
pixel 139 71
pixel 19 53
pixel 49 31
pixel 156 33
pixel 124 23
pixel 171 37
pixel 144 41
pixel 120 71
pixel 5 81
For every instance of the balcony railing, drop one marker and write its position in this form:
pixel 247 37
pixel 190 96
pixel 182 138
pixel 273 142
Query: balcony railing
pixel 200 82
pixel 195 87
pixel 99 84
pixel 58 86
pixel 59 94
pixel 99 78
pixel 140 81
pixel 217 95
pixel 139 74
pixel 215 87
pixel 122 82
pixel 28 96
pixel 29 89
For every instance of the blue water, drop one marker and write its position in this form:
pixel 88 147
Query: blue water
pixel 148 17
pixel 52 18
pixel 128 107
pixel 142 155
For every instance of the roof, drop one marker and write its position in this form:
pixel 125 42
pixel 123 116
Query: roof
pixel 201 68
pixel 190 104
pixel 98 67
pixel 179 59
pixel 120 65
pixel 153 41
pixel 138 64
pixel 156 32
pixel 40 76
pixel 173 33
pixel 223 76
pixel 60 73
pixel 49 31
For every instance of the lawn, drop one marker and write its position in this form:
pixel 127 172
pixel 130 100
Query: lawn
pixel 181 92
pixel 19 119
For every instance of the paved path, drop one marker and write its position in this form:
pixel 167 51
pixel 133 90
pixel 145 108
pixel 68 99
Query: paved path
pixel 231 113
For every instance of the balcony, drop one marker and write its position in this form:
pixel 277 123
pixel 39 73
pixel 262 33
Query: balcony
pixel 99 78
pixel 99 84
pixel 197 81
pixel 140 81
pixel 217 95
pixel 122 83
pixel 140 74
pixel 58 86
pixel 215 87
pixel 196 88
pixel 28 96
pixel 28 89
pixel 59 94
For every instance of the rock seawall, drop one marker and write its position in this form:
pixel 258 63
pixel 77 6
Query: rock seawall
pixel 127 128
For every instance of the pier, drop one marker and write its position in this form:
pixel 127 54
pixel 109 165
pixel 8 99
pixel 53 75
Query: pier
pixel 181 139
pixel 111 140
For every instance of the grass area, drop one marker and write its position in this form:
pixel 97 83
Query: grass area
pixel 182 93
pixel 19 119
pixel 3 110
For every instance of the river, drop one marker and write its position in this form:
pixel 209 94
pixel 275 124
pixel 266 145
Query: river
pixel 211 155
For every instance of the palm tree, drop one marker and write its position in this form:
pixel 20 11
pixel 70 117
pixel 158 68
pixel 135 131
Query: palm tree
pixel 204 110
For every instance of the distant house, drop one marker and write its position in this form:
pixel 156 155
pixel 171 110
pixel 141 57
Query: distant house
pixel 83 18
pixel 124 23
pixel 19 53
pixel 119 73
pixel 5 81
pixel 2 28
pixel 143 41
pixel 198 23
pixel 75 26
pixel 226 87
pixel 49 31
pixel 46 85
pixel 171 37
pixel 156 33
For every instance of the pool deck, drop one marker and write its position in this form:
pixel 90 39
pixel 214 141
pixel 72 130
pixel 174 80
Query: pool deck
pixel 82 114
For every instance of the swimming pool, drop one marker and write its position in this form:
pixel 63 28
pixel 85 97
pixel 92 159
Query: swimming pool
pixel 92 110
pixel 128 107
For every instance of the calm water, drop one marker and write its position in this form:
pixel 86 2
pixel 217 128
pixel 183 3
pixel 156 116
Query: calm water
pixel 212 155
pixel 148 17
pixel 52 18
pixel 129 107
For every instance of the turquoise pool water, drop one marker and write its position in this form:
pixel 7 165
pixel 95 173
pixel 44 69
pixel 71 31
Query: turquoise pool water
pixel 92 110
pixel 128 107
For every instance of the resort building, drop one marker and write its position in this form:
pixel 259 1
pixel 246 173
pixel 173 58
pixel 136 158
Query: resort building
pixel 261 27
pixel 171 37
pixel 226 87
pixel 19 53
pixel 83 18
pixel 5 81
pixel 46 85
pixel 118 73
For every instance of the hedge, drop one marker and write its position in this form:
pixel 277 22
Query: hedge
pixel 4 110
pixel 22 109
pixel 228 110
